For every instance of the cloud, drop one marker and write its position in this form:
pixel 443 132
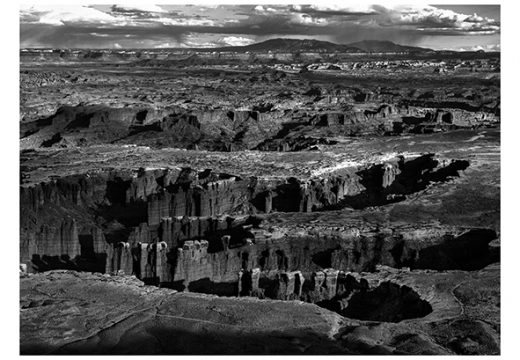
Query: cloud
pixel 268 9
pixel 154 25
pixel 194 40
pixel 142 8
pixel 433 20
pixel 59 15
pixel 489 47
pixel 208 40
pixel 185 22
pixel 98 34
pixel 337 10
pixel 235 41
pixel 308 20
pixel 164 45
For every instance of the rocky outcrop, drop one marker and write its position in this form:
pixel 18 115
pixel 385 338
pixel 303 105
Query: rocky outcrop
pixel 417 117
pixel 105 217
pixel 237 129
pixel 118 306
pixel 348 294
pixel 451 312
pixel 167 127
pixel 266 264
pixel 358 122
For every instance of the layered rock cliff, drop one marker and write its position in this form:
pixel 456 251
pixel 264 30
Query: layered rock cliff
pixel 233 130
pixel 202 231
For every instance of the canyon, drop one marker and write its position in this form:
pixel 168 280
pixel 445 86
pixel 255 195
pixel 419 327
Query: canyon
pixel 214 199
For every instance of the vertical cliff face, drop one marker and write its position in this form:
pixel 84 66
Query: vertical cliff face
pixel 124 206
pixel 253 263
pixel 417 118
pixel 197 230
pixel 353 122
pixel 293 195
pixel 56 223
pixel 212 198
pixel 348 294
pixel 58 216
pixel 60 238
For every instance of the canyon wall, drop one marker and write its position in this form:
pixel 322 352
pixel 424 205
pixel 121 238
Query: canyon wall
pixel 203 231
pixel 233 130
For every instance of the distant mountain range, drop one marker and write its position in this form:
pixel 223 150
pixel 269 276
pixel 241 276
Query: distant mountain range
pixel 282 45
pixel 385 46
pixel 294 45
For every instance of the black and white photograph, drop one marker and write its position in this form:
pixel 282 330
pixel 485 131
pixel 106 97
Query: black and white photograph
pixel 258 179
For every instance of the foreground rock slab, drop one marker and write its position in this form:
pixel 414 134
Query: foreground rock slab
pixel 66 312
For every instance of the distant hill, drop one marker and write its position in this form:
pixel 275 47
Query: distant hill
pixel 385 47
pixel 279 45
pixel 291 45
pixel 295 45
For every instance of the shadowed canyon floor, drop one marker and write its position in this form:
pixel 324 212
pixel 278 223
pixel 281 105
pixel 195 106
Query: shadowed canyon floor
pixel 259 208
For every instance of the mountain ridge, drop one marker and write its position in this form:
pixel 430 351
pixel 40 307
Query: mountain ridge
pixel 292 45
pixel 386 46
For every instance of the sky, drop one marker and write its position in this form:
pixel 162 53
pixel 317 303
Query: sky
pixel 450 27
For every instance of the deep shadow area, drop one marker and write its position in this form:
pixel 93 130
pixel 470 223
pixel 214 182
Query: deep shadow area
pixel 116 190
pixel 206 286
pixel 82 120
pixel 129 213
pixel 323 258
pixel 270 287
pixel 96 262
pixel 414 176
pixel 470 251
pixel 53 140
pixel 388 302
pixel 86 243
pixel 288 196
